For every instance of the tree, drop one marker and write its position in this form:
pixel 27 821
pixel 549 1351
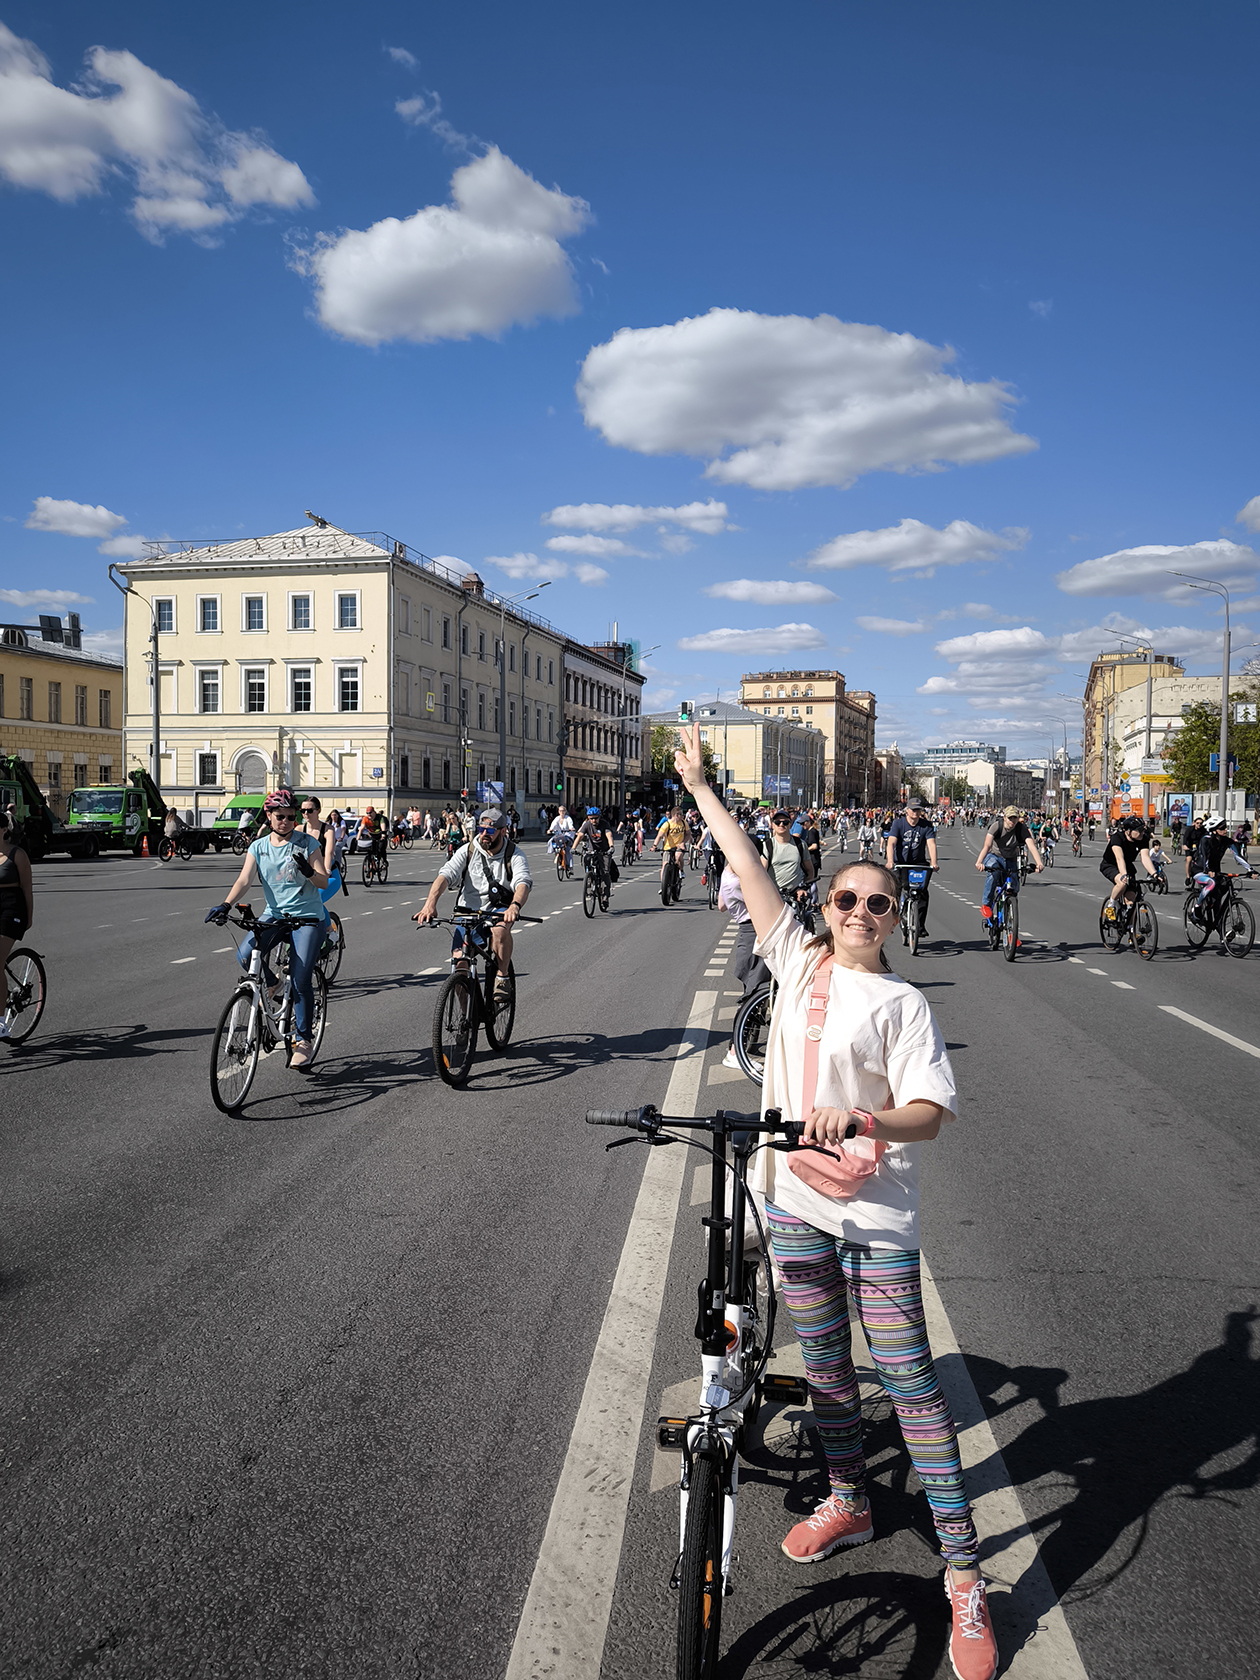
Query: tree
pixel 1188 751
pixel 958 789
pixel 666 740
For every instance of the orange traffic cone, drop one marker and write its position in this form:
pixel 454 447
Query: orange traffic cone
pixel 144 846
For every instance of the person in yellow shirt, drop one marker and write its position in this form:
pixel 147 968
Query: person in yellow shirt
pixel 671 836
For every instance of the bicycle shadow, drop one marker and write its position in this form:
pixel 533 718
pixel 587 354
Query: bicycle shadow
pixel 334 1084
pixel 100 1044
pixel 540 1061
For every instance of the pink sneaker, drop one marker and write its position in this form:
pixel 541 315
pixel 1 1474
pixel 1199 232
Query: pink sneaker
pixel 972 1647
pixel 833 1524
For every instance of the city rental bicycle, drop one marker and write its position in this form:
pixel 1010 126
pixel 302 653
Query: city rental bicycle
pixel 25 992
pixel 564 862
pixel 1003 924
pixel 1231 918
pixel 1132 917
pixel 256 1018
pixel 735 1329
pixel 468 999
pixel 596 886
pixel 913 906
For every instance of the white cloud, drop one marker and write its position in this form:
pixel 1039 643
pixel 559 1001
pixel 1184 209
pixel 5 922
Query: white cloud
pixel 1042 306
pixel 190 174
pixel 73 519
pixel 424 110
pixel 131 548
pixel 770 592
pixel 400 55
pixel 1249 515
pixel 489 260
pixel 44 598
pixel 1145 571
pixel 602 547
pixel 103 641
pixel 914 546
pixel 707 518
pixel 800 401
pixel 781 639
pixel 892 626
pixel 532 569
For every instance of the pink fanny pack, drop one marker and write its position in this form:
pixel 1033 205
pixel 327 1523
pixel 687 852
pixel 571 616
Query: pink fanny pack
pixel 840 1169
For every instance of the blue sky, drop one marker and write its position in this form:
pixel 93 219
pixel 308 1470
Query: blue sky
pixel 916 340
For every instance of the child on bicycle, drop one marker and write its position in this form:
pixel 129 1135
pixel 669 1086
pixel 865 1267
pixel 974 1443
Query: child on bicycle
pixel 855 1054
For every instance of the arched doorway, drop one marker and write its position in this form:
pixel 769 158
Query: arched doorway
pixel 251 773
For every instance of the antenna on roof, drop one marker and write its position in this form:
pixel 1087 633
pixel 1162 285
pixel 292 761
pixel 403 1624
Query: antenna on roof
pixel 315 519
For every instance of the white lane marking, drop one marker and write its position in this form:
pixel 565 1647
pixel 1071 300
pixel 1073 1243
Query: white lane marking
pixel 712 973
pixel 1123 985
pixel 1079 960
pixel 367 912
pixel 175 962
pixel 1098 971
pixel 220 949
pixel 104 924
pixel 1027 1616
pixel 405 901
pixel 565 1620
pixel 1216 1032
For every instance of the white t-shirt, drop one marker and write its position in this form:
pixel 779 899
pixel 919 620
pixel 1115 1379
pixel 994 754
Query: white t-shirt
pixel 881 1048
pixel 475 869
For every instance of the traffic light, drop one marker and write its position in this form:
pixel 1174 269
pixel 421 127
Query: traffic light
pixel 684 711
pixel 557 786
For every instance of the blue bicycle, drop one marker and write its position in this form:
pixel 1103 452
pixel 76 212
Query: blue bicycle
pixel 1003 925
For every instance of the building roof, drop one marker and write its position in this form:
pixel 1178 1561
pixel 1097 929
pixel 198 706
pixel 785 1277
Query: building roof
pixel 710 712
pixel 310 542
pixel 58 650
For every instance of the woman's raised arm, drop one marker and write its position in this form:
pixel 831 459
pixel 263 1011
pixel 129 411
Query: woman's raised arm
pixel 764 901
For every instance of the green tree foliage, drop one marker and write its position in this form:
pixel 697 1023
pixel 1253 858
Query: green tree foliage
pixel 666 740
pixel 1187 752
pixel 957 788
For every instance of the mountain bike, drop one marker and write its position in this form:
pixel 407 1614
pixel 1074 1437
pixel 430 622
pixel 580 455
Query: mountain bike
pixel 751 1031
pixel 913 906
pixel 255 1022
pixel 1003 925
pixel 735 1329
pixel 332 950
pixel 596 886
pixel 25 992
pixel 1132 917
pixel 1227 913
pixel 671 878
pixel 167 849
pixel 375 868
pixel 468 999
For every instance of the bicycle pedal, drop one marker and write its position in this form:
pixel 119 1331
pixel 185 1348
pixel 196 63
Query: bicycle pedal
pixel 783 1388
pixel 671 1433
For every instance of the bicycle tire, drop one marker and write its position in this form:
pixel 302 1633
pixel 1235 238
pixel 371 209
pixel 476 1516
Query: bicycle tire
pixel 590 894
pixel 700 1575
pixel 605 893
pixel 455 1028
pixel 234 1051
pixel 667 884
pixel 677 883
pixel 559 866
pixel 369 870
pixel 409 841
pixel 25 992
pixel 916 928
pixel 1010 930
pixel 500 1017
pixel 382 870
pixel 330 952
pixel 1238 928
pixel 1109 931
pixel 165 850
pixel 240 843
pixel 319 1021
pixel 715 886
pixel 751 1030
pixel 1144 931
pixel 1196 932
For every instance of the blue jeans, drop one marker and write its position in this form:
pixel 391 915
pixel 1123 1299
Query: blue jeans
pixel 996 870
pixel 306 944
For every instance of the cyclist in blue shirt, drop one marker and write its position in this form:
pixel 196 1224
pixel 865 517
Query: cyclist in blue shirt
pixel 912 840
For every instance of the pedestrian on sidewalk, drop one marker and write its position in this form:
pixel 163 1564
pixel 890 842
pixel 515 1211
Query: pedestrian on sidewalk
pixel 856 1055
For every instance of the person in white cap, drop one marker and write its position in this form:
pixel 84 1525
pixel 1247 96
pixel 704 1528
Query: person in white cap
pixel 489 873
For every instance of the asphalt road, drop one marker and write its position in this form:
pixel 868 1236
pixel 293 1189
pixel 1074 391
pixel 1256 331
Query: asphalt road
pixel 290 1393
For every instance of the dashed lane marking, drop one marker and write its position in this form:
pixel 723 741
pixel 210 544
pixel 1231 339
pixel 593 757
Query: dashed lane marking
pixel 1216 1032
pixel 1123 985
pixel 1098 971
pixel 175 961
pixel 220 949
pixel 1079 960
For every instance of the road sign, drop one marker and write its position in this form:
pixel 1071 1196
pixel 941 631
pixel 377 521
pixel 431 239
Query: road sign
pixel 1246 712
pixel 1151 768
pixel 1214 764
pixel 377 773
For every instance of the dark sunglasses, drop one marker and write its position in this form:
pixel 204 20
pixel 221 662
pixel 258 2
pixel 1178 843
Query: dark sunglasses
pixel 310 810
pixel 489 833
pixel 285 816
pixel 879 904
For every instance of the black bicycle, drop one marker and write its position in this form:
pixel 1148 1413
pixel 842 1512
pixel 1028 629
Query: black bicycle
pixel 1132 918
pixel 596 886
pixel 913 907
pixel 751 1031
pixel 25 993
pixel 470 999
pixel 332 950
pixel 671 877
pixel 375 867
pixel 735 1329
pixel 629 850
pixel 1225 913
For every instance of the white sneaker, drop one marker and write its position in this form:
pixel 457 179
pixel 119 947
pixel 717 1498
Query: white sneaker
pixel 731 1060
pixel 4 1028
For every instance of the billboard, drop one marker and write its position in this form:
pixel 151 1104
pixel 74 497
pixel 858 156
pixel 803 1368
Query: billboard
pixel 776 785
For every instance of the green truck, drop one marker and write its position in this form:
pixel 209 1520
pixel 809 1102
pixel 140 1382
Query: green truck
pixel 128 812
pixel 41 832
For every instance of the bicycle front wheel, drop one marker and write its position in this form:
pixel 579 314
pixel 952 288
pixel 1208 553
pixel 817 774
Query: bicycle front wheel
pixel 500 1008
pixel 667 885
pixel 1010 929
pixel 369 870
pixel 330 952
pixel 1144 931
pixel 25 993
pixel 234 1053
pixel 559 866
pixel 700 1575
pixel 751 1032
pixel 916 926
pixel 590 894
pixel 408 841
pixel 166 850
pixel 1238 928
pixel 455 1029
pixel 382 870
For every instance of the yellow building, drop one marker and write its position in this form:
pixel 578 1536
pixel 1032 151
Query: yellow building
pixel 846 718
pixel 758 758
pixel 348 664
pixel 1110 675
pixel 60 708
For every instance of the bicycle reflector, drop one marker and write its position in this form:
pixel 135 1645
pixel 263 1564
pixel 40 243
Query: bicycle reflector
pixel 671 1432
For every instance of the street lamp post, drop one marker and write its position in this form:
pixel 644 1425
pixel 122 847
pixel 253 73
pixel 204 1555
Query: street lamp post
pixel 1211 586
pixel 155 769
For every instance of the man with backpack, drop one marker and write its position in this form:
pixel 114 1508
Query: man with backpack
pixel 786 857
pixel 490 873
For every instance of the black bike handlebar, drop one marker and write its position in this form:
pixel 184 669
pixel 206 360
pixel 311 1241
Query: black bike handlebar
pixel 649 1120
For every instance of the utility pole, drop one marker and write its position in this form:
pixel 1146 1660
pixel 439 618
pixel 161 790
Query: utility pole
pixel 155 752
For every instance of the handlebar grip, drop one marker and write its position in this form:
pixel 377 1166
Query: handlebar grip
pixel 612 1117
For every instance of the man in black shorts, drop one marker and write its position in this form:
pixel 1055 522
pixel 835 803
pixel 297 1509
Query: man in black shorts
pixel 1128 842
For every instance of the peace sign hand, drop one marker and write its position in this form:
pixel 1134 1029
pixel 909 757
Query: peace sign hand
pixel 687 760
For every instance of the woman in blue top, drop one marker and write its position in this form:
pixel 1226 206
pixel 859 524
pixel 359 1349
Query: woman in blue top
pixel 289 864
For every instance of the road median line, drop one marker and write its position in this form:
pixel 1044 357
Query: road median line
pixel 1216 1032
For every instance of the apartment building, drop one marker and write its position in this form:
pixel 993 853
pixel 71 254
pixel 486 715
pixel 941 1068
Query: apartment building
pixel 845 716
pixel 1110 676
pixel 347 663
pixel 602 710
pixel 61 708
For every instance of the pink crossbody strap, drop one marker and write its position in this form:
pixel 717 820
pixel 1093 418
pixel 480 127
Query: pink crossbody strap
pixel 815 1018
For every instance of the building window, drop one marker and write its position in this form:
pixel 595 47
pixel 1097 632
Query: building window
pixel 256 690
pixel 551 727
pixel 348 688
pixel 209 689
pixel 105 770
pixel 426 773
pixel 105 708
pixel 525 722
pixel 80 774
pixel 426 630
pixel 80 705
pixel 54 702
pixel 463 705
pixel 347 612
pixel 165 612
pixel 255 613
pixel 496 720
pixel 446 702
pixel 538 723
pixel 481 652
pixel 404 770
pixel 300 612
pixel 446 632
pixel 300 677
pixel 207 769
pixel 446 774
pixel 511 656
pixel 481 714
pixel 808 692
pixel 464 643
pixel 54 776
pixel 809 711
pixel 796 711
pixel 511 729
pixel 208 614
pixel 551 673
pixel 404 615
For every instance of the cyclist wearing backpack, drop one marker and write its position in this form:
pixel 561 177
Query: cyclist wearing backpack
pixel 490 873
pixel 786 857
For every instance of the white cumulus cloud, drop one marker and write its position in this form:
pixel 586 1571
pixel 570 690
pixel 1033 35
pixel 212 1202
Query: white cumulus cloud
pixel 780 639
pixel 532 569
pixel 770 592
pixel 400 55
pixel 914 546
pixel 706 518
pixel 73 519
pixel 1249 516
pixel 1145 570
pixel 130 548
pixel 797 401
pixel 44 598
pixel 601 547
pixel 490 259
pixel 190 174
pixel 892 626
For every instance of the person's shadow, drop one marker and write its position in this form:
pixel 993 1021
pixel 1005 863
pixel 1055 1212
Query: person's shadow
pixel 1125 1454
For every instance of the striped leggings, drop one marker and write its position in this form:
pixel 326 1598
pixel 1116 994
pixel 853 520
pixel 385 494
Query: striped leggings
pixel 815 1268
